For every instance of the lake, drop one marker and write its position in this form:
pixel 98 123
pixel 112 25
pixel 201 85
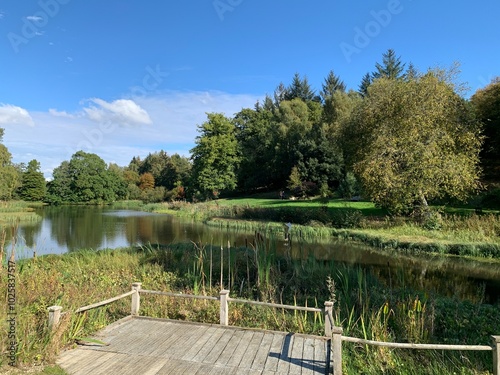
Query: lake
pixel 66 229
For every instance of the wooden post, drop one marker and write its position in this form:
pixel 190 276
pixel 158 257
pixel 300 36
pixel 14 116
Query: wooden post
pixel 224 308
pixel 136 299
pixel 54 316
pixel 496 354
pixel 328 318
pixel 337 350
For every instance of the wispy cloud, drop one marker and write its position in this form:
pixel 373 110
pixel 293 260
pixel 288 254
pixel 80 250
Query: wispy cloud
pixel 13 115
pixel 56 113
pixel 2 14
pixel 121 112
pixel 34 18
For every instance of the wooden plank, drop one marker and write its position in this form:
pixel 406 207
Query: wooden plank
pixel 251 352
pixel 193 351
pixel 152 346
pixel 207 347
pixel 169 337
pixel 286 351
pixel 274 353
pixel 296 360
pixel 220 347
pixel 241 349
pixel 109 367
pixel 263 352
pixel 93 360
pixel 231 347
pixel 195 333
pixel 309 366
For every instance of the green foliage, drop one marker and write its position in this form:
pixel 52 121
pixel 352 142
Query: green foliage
pixel 33 187
pixel 349 186
pixel 391 67
pixel 85 179
pixel 215 156
pixel 413 140
pixel 9 177
pixel 294 182
pixel 486 101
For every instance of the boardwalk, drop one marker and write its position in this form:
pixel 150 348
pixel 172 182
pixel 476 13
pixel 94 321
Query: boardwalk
pixel 138 345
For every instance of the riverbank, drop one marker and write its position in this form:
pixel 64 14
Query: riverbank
pixel 363 305
pixel 452 231
pixel 12 212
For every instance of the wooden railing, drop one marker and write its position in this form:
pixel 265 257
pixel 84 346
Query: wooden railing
pixel 330 330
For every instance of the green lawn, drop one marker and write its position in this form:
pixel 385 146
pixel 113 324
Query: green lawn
pixel 367 208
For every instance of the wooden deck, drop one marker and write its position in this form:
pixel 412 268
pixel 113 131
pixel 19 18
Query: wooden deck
pixel 146 346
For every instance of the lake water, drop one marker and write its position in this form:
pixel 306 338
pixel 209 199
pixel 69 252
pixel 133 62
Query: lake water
pixel 65 229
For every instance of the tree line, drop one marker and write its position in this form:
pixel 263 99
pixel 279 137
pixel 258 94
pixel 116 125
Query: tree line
pixel 403 138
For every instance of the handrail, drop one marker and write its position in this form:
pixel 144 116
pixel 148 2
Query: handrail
pixel 105 302
pixel 416 346
pixel 335 333
pixel 181 295
pixel 276 305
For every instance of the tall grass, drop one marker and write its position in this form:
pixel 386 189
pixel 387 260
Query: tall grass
pixel 363 305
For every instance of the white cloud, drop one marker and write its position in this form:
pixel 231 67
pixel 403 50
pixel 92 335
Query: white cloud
pixel 2 14
pixel 121 112
pixel 56 113
pixel 173 118
pixel 34 18
pixel 11 114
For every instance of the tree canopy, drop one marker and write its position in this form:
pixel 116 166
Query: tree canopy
pixel 412 140
pixel 215 156
pixel 85 179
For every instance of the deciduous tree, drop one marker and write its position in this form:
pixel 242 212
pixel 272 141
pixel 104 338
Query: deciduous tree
pixel 215 156
pixel 414 140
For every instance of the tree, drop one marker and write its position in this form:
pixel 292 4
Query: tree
pixel 411 141
pixel 256 140
pixel 366 81
pixel 299 88
pixel 33 186
pixel 146 181
pixel 391 66
pixel 84 179
pixel 59 189
pixel 332 84
pixel 177 171
pixel 215 156
pixel 9 176
pixel 487 104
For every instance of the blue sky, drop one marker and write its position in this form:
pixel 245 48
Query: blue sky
pixel 122 78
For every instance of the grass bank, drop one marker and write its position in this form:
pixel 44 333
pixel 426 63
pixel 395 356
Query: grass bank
pixel 363 306
pixel 447 231
pixel 18 211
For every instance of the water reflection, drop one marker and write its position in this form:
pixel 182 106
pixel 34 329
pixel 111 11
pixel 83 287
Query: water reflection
pixel 64 229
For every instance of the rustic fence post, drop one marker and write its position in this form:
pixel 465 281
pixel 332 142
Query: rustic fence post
pixel 136 299
pixel 337 350
pixel 54 316
pixel 224 308
pixel 328 318
pixel 496 354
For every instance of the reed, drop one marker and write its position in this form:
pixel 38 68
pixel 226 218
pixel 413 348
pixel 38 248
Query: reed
pixel 363 305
